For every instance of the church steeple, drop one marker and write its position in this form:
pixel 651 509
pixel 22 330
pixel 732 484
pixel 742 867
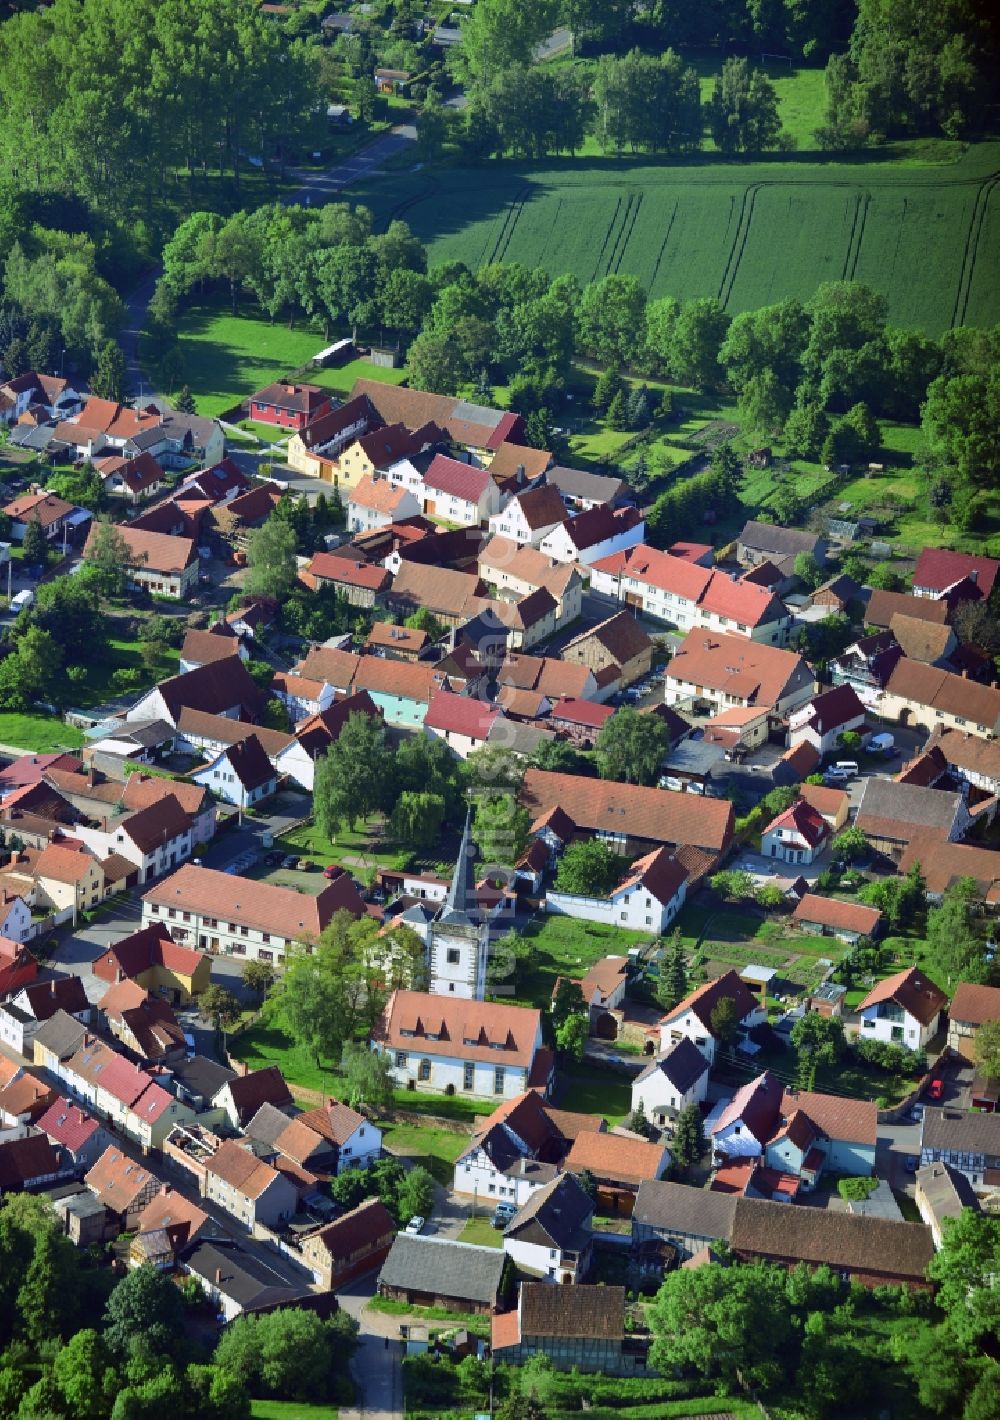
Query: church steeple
pixel 460 907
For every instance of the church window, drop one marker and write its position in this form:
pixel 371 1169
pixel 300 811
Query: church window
pixel 454 956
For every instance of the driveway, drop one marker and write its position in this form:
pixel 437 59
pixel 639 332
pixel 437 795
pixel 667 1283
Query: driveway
pixel 376 1364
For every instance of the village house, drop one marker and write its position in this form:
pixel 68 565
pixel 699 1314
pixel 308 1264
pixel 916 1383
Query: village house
pixel 350 1140
pixel 360 583
pixel 18 966
pixel 353 1244
pixel 245 1186
pixel 477 428
pixel 52 394
pixel 831 804
pixel 436 1272
pixel 69 878
pixel 648 898
pixel 727 671
pixel 480 1049
pixel 235 1280
pixel 943 864
pixel 581 490
pixel 24 1099
pixel 27 1163
pixel 241 1096
pixel 375 503
pixel 396 643
pixel 925 697
pixel 618 651
pixel 219 643
pixel 115 1089
pixel 221 688
pixel 234 916
pixel 548 676
pixel 798 836
pixel 972 1006
pixel 579 721
pixel 581 1330
pixel 131 479
pixel 122 1186
pixel 587 537
pixel 550 1235
pixel 529 516
pixel 826 718
pixel 619 1163
pixel 462 722
pixel 677 1219
pixel 301 695
pixel 401 692
pixel 671 1082
pixel 518 571
pixel 691 1018
pixel 832 917
pixel 518 1149
pixel 924 641
pixel 685 594
pixel 289 406
pixel 50 512
pixel 973 761
pixel 167 1225
pixel 764 542
pixel 625 816
pixel 968 1140
pixel 78 1138
pixel 903 1009
pixel 892 814
pixel 942 1193
pixel 460 492
pixel 451 597
pixel 153 840
pixel 296 756
pixel 151 958
pixel 165 566
pixel 866 666
pixel 145 1024
pixel 240 774
pixel 379 448
pixel 16 901
pixel 315 447
pixel 943 575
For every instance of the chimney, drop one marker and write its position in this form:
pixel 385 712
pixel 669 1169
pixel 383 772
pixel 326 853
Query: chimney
pixel 164 1190
pixel 965 675
pixel 218 1276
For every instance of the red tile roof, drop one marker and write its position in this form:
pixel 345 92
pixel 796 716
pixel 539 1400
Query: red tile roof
pixel 485 1031
pixel 460 715
pixel 804 820
pixel 654 814
pixel 266 906
pixel 326 567
pixel 938 569
pixel 67 1124
pixel 581 712
pixel 460 480
pixel 832 912
pixel 914 992
pixel 615 1157
pixel 975 1005
pixel 704 999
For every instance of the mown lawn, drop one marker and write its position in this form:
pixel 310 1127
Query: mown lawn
pixel 437 1149
pixel 591 1091
pixel 563 946
pixel 227 357
pixel 290 1410
pixel 481 1231
pixel 38 734
pixel 98 684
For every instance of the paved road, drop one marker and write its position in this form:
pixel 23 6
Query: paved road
pixel 557 41
pixel 376 1363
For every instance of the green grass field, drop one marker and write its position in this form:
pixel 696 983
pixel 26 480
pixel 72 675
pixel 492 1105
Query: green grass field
pixel 227 357
pixel 746 234
pixel 290 1410
pixel 38 734
pixel 563 946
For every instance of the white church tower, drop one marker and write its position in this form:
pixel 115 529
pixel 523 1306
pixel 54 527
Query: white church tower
pixel 459 939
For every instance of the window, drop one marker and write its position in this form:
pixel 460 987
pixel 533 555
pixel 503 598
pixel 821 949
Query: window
pixel 469 1077
pixel 454 956
pixel 498 1079
pixel 424 1070
pixel 265 936
pixel 400 1059
pixel 262 955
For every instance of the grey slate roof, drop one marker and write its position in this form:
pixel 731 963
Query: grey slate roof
pixel 244 1277
pixel 683 1066
pixel 947 1191
pixel 62 1034
pixel 557 1215
pixel 908 804
pixel 679 1208
pixel 202 1076
pixel 267 1124
pixel 444 1268
pixel 578 483
pixel 769 538
pixel 967 1131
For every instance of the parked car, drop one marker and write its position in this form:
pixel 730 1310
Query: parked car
pixel 502 1215
pixel 332 870
pixel 290 862
pixel 273 859
pixel 912 1163
pixel 415 1226
pixel 935 1089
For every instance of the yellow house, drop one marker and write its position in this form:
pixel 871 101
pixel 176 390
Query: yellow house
pixel 69 878
pixel 156 962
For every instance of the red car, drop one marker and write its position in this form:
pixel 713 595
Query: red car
pixel 332 871
pixel 935 1089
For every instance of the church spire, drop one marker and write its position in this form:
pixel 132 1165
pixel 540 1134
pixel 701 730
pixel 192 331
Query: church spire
pixel 461 899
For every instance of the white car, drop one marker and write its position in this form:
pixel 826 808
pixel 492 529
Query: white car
pixel 415 1226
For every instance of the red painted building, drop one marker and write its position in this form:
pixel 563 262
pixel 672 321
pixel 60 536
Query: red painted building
pixel 17 967
pixel 289 406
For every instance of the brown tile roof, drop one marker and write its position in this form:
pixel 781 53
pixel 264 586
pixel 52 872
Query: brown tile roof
pixel 334 1121
pixel 414 681
pixel 588 1313
pixel 65 863
pixel 920 640
pixel 397 638
pixel 654 814
pixel 27 1096
pixel 847 1241
pixel 969 752
pixel 203 646
pixel 170 1210
pixel 24 1160
pixel 546 674
pixel 257 1087
pixel 152 551
pixel 943 863
pixel 266 906
pixel 363 1228
pixel 378 494
pixel 118 1180
pixel 883 606
pixel 659 872
pixel 614 1157
pixel 300 398
pixel 473 1030
pixel 802 759
pixel 940 690
pixel 533 462
pixel 620 635
pixel 213 688
pixel 44 508
pixel 143 790
pixel 440 589
pixel 704 999
pixel 804 820
pixel 150 946
pixel 325 427
pixel 249 762
pixel 974 1005
pixel 226 731
pixel 417 407
pixel 526 564
pixel 827 802
pixel 751 672
pixel 832 912
pixel 837 1116
pixel 337 668
pixel 241 1169
pixel 911 990
pixel 327 567
pixel 64 993
pixel 540 507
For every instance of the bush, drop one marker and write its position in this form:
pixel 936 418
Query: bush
pixel 856 1190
